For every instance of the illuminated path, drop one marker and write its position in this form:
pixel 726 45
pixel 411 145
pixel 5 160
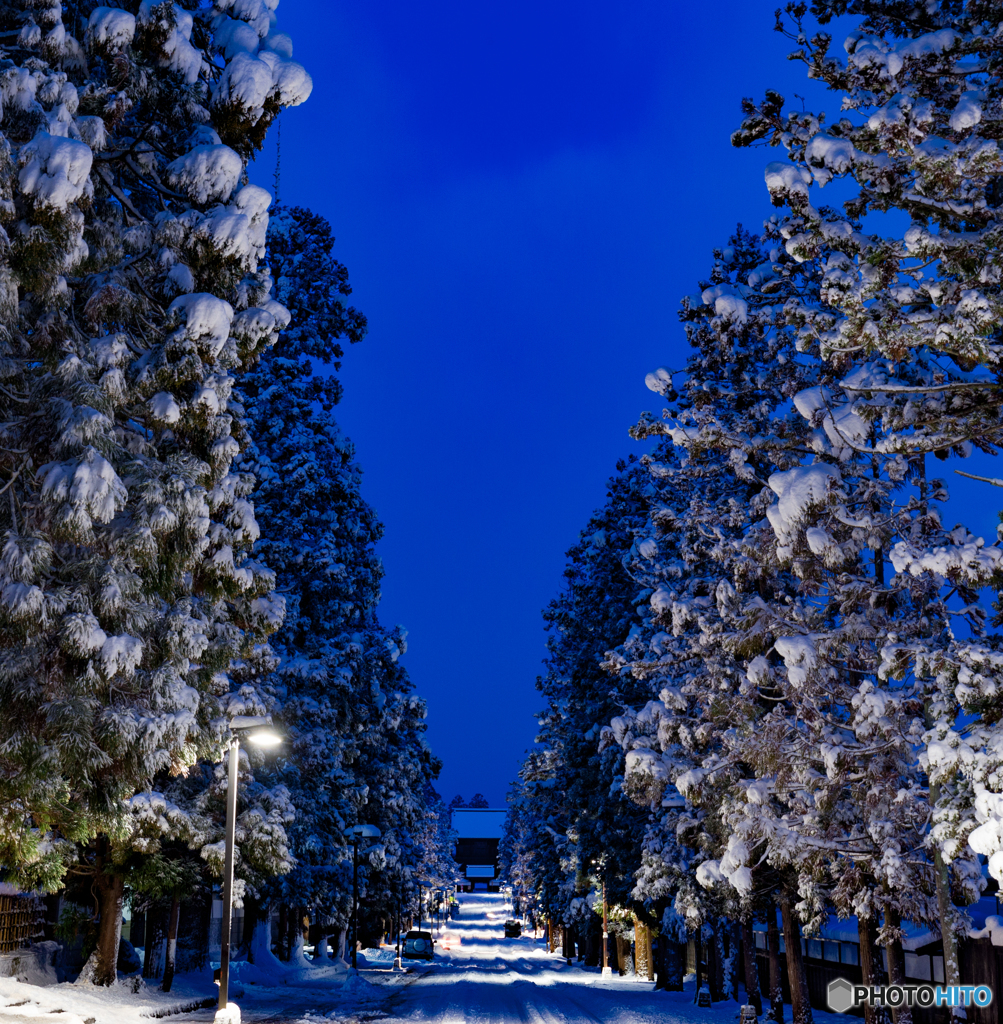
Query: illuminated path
pixel 489 979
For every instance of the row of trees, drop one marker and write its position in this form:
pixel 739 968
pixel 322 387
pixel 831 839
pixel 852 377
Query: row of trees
pixel 184 537
pixel 770 682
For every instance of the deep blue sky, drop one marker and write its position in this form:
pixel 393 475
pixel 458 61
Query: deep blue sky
pixel 521 191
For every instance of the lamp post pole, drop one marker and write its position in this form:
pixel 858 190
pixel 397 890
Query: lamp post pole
pixel 355 834
pixel 601 864
pixel 258 729
pixel 231 831
pixel 397 962
pixel 355 901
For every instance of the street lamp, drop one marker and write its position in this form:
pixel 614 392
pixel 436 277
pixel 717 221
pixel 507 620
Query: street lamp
pixel 257 729
pixel 605 921
pixel 355 834
pixel 398 965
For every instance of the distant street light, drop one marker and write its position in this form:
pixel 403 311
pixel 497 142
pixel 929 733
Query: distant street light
pixel 258 730
pixel 355 834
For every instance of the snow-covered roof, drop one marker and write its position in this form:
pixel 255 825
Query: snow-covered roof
pixel 838 929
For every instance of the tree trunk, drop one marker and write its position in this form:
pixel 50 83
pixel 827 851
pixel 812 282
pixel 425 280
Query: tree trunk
pixel 172 943
pixel 283 949
pixel 156 925
pixel 642 962
pixel 776 978
pixel 942 878
pixel 675 965
pixel 698 957
pixel 623 955
pixel 110 892
pixel 869 974
pixel 295 940
pixel 753 996
pixel 715 964
pixel 734 958
pixel 800 1007
pixel 896 963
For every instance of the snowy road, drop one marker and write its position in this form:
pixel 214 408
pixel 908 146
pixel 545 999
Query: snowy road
pixel 489 979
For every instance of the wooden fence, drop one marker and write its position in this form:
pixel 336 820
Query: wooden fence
pixel 22 921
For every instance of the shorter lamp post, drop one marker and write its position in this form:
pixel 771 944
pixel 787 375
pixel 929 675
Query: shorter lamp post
pixel 398 965
pixel 355 835
pixel 258 730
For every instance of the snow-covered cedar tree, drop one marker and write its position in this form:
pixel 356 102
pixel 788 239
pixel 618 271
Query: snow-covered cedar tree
pixel 584 828
pixel 714 597
pixel 132 297
pixel 911 331
pixel 355 749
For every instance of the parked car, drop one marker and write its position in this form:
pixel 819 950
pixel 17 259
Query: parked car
pixel 513 929
pixel 419 946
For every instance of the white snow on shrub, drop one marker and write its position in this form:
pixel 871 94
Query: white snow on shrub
pixel 90 483
pixel 782 177
pixel 659 381
pixel 180 279
pixel 206 173
pixel 165 408
pixel 796 490
pixel 23 600
pixel 280 43
pixel 180 55
pixel 734 865
pixel 798 653
pixel 646 763
pixel 967 557
pixel 967 112
pixel 207 318
pixel 987 838
pixel 233 36
pixel 120 655
pixel 709 874
pixel 111 26
pixel 92 131
pixel 53 170
pixel 250 80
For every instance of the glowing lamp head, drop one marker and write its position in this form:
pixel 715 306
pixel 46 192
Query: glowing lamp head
pixel 265 738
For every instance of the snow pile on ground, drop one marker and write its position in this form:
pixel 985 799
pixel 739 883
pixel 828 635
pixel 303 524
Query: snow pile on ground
pixel 378 957
pixel 129 1002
